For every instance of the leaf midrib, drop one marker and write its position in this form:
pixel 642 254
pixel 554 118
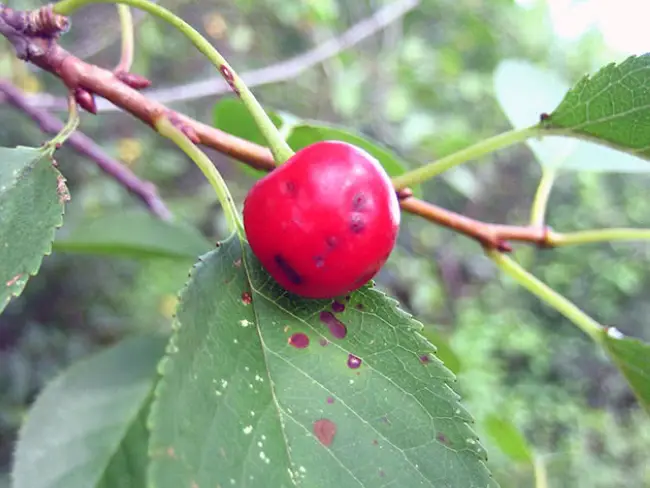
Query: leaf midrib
pixel 389 380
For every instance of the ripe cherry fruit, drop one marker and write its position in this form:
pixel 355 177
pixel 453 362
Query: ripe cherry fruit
pixel 324 222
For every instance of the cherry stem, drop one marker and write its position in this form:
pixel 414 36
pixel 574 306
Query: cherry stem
pixel 545 293
pixel 597 235
pixel 126 27
pixel 68 129
pixel 279 147
pixel 540 201
pixel 486 146
pixel 167 129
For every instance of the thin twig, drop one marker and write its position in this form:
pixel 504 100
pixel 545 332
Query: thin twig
pixel 143 190
pixel 275 73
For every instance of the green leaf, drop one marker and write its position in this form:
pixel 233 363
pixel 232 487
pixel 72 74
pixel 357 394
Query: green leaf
pixel 612 107
pixel 134 234
pixel 32 195
pixel 86 429
pixel 239 405
pixel 633 359
pixel 231 115
pixel 304 134
pixel 508 438
pixel 514 82
pixel 443 350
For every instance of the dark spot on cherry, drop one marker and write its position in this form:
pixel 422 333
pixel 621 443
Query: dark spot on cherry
pixel 325 430
pixel 338 307
pixel 332 242
pixel 443 439
pixel 357 224
pixel 299 340
pixel 359 306
pixel 353 361
pixel 336 327
pixel 290 187
pixel 319 261
pixel 359 202
pixel 246 298
pixel 288 270
pixel 330 400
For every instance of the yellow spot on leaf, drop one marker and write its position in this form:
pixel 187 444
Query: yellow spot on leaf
pixel 167 306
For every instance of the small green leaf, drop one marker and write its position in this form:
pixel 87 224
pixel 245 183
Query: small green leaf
pixel 443 350
pixel 32 196
pixel 231 115
pixel 508 438
pixel 87 429
pixel 134 234
pixel 307 133
pixel 633 359
pixel 241 403
pixel 611 107
pixel 514 82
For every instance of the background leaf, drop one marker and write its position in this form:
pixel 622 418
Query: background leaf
pixel 32 193
pixel 87 428
pixel 257 391
pixel 633 359
pixel 612 107
pixel 307 133
pixel 134 234
pixel 525 91
pixel 508 438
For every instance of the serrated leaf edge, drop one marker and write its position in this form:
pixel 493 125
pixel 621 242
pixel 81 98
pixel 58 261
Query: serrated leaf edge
pixel 49 241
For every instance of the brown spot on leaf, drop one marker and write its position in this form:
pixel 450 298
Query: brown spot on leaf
pixel 246 298
pixel 325 430
pixel 62 189
pixel 13 280
pixel 336 327
pixel 353 361
pixel 299 340
pixel 337 307
pixel 443 439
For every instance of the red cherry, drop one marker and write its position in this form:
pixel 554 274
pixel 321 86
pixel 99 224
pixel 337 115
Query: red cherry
pixel 323 223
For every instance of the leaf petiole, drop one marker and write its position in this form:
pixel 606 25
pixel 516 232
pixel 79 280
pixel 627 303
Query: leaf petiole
pixel 68 129
pixel 545 293
pixel 429 170
pixel 540 201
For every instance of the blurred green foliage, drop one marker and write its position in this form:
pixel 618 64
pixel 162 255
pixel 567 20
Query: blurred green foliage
pixel 423 87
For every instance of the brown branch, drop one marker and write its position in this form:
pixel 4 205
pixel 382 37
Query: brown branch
pixel 143 190
pixel 77 74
